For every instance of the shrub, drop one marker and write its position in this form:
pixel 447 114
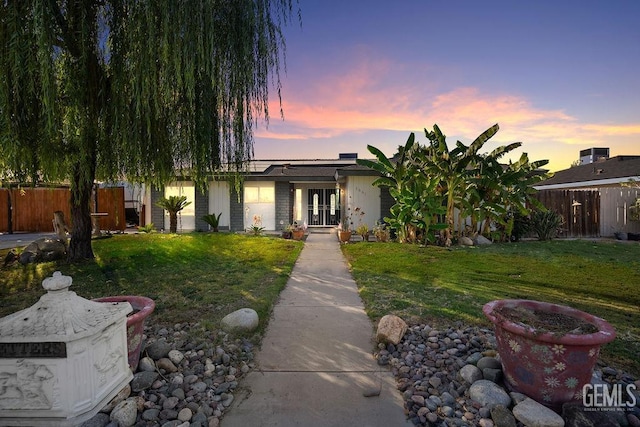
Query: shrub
pixel 546 224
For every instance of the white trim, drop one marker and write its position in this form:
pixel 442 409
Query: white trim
pixel 592 183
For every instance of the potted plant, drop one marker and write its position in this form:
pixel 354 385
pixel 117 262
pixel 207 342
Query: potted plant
pixel 297 231
pixel 381 232
pixel 142 308
pixel 363 231
pixel 287 232
pixel 213 220
pixel 344 232
pixel 548 351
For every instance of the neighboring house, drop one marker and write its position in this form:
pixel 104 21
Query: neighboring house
pixel 615 183
pixel 275 193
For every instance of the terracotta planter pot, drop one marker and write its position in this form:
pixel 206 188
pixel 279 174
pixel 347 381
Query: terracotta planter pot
pixel 142 308
pixel 344 236
pixel 297 234
pixel 547 367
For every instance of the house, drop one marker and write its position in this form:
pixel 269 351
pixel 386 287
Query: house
pixel 601 192
pixel 275 193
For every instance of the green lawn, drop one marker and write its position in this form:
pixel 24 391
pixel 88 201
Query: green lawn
pixel 439 285
pixel 198 277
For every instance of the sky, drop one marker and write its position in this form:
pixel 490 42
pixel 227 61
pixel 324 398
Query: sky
pixel 559 76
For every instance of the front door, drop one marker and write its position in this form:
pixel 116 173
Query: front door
pixel 323 206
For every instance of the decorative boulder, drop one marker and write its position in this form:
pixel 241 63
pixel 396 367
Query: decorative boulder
pixel 481 240
pixel 43 250
pixel 243 320
pixel 465 241
pixel 391 329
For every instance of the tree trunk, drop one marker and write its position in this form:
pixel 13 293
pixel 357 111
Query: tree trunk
pixel 81 189
pixel 173 222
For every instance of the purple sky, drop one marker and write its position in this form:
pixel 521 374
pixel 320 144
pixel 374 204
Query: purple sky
pixel 559 76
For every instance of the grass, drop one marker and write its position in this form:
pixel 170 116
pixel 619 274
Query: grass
pixel 198 277
pixel 441 285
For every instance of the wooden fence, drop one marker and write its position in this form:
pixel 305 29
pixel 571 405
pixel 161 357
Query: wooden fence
pixel 616 202
pixel 579 208
pixel 31 209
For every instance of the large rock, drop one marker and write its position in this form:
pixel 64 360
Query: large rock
pixel 243 320
pixel 43 250
pixel 391 329
pixel 480 240
pixel 465 241
pixel 533 414
pixel 489 394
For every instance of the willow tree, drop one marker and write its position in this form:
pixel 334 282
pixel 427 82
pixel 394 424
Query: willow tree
pixel 147 89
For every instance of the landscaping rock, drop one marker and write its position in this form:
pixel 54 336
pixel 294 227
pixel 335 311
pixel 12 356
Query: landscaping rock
pixel 489 394
pixel 465 241
pixel 44 249
pixel 122 395
pixel 158 349
pixel 481 240
pixel 391 329
pixel 98 420
pixel 533 414
pixel 146 364
pixel 493 375
pixel 125 413
pixel 143 380
pixel 502 417
pixel 240 321
pixel 470 374
pixel 489 362
pixel 574 415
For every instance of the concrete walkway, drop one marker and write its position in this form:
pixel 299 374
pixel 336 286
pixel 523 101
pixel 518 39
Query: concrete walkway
pixel 316 357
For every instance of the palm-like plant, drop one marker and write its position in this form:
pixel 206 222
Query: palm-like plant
pixel 173 205
pixel 213 220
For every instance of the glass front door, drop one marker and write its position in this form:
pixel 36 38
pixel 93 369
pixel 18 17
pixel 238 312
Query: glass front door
pixel 323 206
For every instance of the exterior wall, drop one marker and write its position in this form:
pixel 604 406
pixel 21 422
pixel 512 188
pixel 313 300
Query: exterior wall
pixel 220 202
pixel 201 209
pixel 386 201
pixel 284 204
pixel 236 211
pixel 360 193
pixel 187 216
pixel 614 210
pixel 156 214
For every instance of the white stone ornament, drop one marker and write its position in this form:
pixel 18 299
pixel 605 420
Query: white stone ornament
pixel 62 359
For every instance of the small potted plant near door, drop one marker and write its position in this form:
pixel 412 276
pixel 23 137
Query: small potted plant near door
pixel 344 232
pixel 363 231
pixel 548 351
pixel 297 231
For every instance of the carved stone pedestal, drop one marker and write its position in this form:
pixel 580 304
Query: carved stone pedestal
pixel 62 359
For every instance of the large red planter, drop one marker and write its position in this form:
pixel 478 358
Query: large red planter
pixel 142 308
pixel 547 367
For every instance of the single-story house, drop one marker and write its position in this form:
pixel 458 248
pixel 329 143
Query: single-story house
pixel 275 193
pixel 616 183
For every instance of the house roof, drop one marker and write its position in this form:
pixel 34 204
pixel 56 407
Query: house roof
pixel 307 170
pixel 612 171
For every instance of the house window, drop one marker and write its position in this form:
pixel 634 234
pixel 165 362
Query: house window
pixel 259 194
